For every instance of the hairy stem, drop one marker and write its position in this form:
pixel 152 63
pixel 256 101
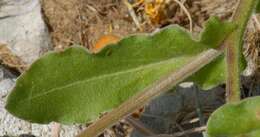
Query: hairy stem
pixel 234 48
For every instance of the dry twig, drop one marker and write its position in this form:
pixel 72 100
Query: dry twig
pixel 181 4
pixel 133 15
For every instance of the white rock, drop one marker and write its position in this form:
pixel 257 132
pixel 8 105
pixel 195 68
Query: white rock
pixel 5 86
pixel 22 28
pixel 16 7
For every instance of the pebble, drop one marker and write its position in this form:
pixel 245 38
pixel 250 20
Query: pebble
pixel 27 135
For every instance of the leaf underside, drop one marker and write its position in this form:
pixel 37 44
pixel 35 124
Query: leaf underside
pixel 241 119
pixel 76 87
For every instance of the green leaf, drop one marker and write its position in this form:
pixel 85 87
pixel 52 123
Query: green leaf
pixel 241 119
pixel 76 87
pixel 214 73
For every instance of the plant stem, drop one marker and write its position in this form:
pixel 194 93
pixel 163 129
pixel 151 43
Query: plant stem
pixel 153 91
pixel 234 48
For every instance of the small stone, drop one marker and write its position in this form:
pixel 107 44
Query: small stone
pixel 5 86
pixel 27 135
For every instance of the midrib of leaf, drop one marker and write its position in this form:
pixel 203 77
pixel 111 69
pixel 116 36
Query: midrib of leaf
pixel 85 81
pixel 146 61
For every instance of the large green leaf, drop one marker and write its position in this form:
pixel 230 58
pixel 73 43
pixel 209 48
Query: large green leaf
pixel 241 119
pixel 75 87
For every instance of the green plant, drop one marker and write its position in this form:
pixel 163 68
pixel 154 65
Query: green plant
pixel 75 86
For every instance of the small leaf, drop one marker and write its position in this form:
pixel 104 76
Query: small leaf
pixel 76 87
pixel 241 119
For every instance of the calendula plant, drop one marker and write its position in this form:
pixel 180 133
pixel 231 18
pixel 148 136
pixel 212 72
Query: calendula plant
pixel 75 86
